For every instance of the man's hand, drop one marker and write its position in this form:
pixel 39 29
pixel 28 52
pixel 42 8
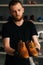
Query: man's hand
pixel 7 48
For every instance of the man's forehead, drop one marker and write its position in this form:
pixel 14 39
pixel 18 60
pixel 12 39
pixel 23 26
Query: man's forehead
pixel 18 5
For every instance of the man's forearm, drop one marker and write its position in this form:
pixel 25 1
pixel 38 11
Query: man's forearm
pixel 10 51
pixel 36 42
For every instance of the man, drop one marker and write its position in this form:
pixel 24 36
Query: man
pixel 17 29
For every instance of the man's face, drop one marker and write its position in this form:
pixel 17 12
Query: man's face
pixel 17 11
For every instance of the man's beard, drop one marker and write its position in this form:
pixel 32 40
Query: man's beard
pixel 17 19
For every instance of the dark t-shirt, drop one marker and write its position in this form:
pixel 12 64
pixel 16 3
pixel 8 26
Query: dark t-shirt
pixel 17 33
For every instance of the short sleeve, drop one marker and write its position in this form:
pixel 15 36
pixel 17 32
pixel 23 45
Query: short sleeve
pixel 33 29
pixel 5 31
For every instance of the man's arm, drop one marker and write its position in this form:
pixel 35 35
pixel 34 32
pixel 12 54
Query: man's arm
pixel 36 42
pixel 8 49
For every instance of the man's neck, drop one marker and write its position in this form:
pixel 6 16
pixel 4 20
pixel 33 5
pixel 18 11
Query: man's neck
pixel 19 23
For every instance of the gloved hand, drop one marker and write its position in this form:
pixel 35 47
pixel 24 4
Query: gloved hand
pixel 23 50
pixel 31 49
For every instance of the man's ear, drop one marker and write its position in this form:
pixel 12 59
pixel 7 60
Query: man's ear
pixel 23 9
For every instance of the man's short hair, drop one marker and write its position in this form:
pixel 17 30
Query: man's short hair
pixel 14 2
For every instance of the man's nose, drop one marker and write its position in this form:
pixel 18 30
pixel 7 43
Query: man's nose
pixel 17 13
